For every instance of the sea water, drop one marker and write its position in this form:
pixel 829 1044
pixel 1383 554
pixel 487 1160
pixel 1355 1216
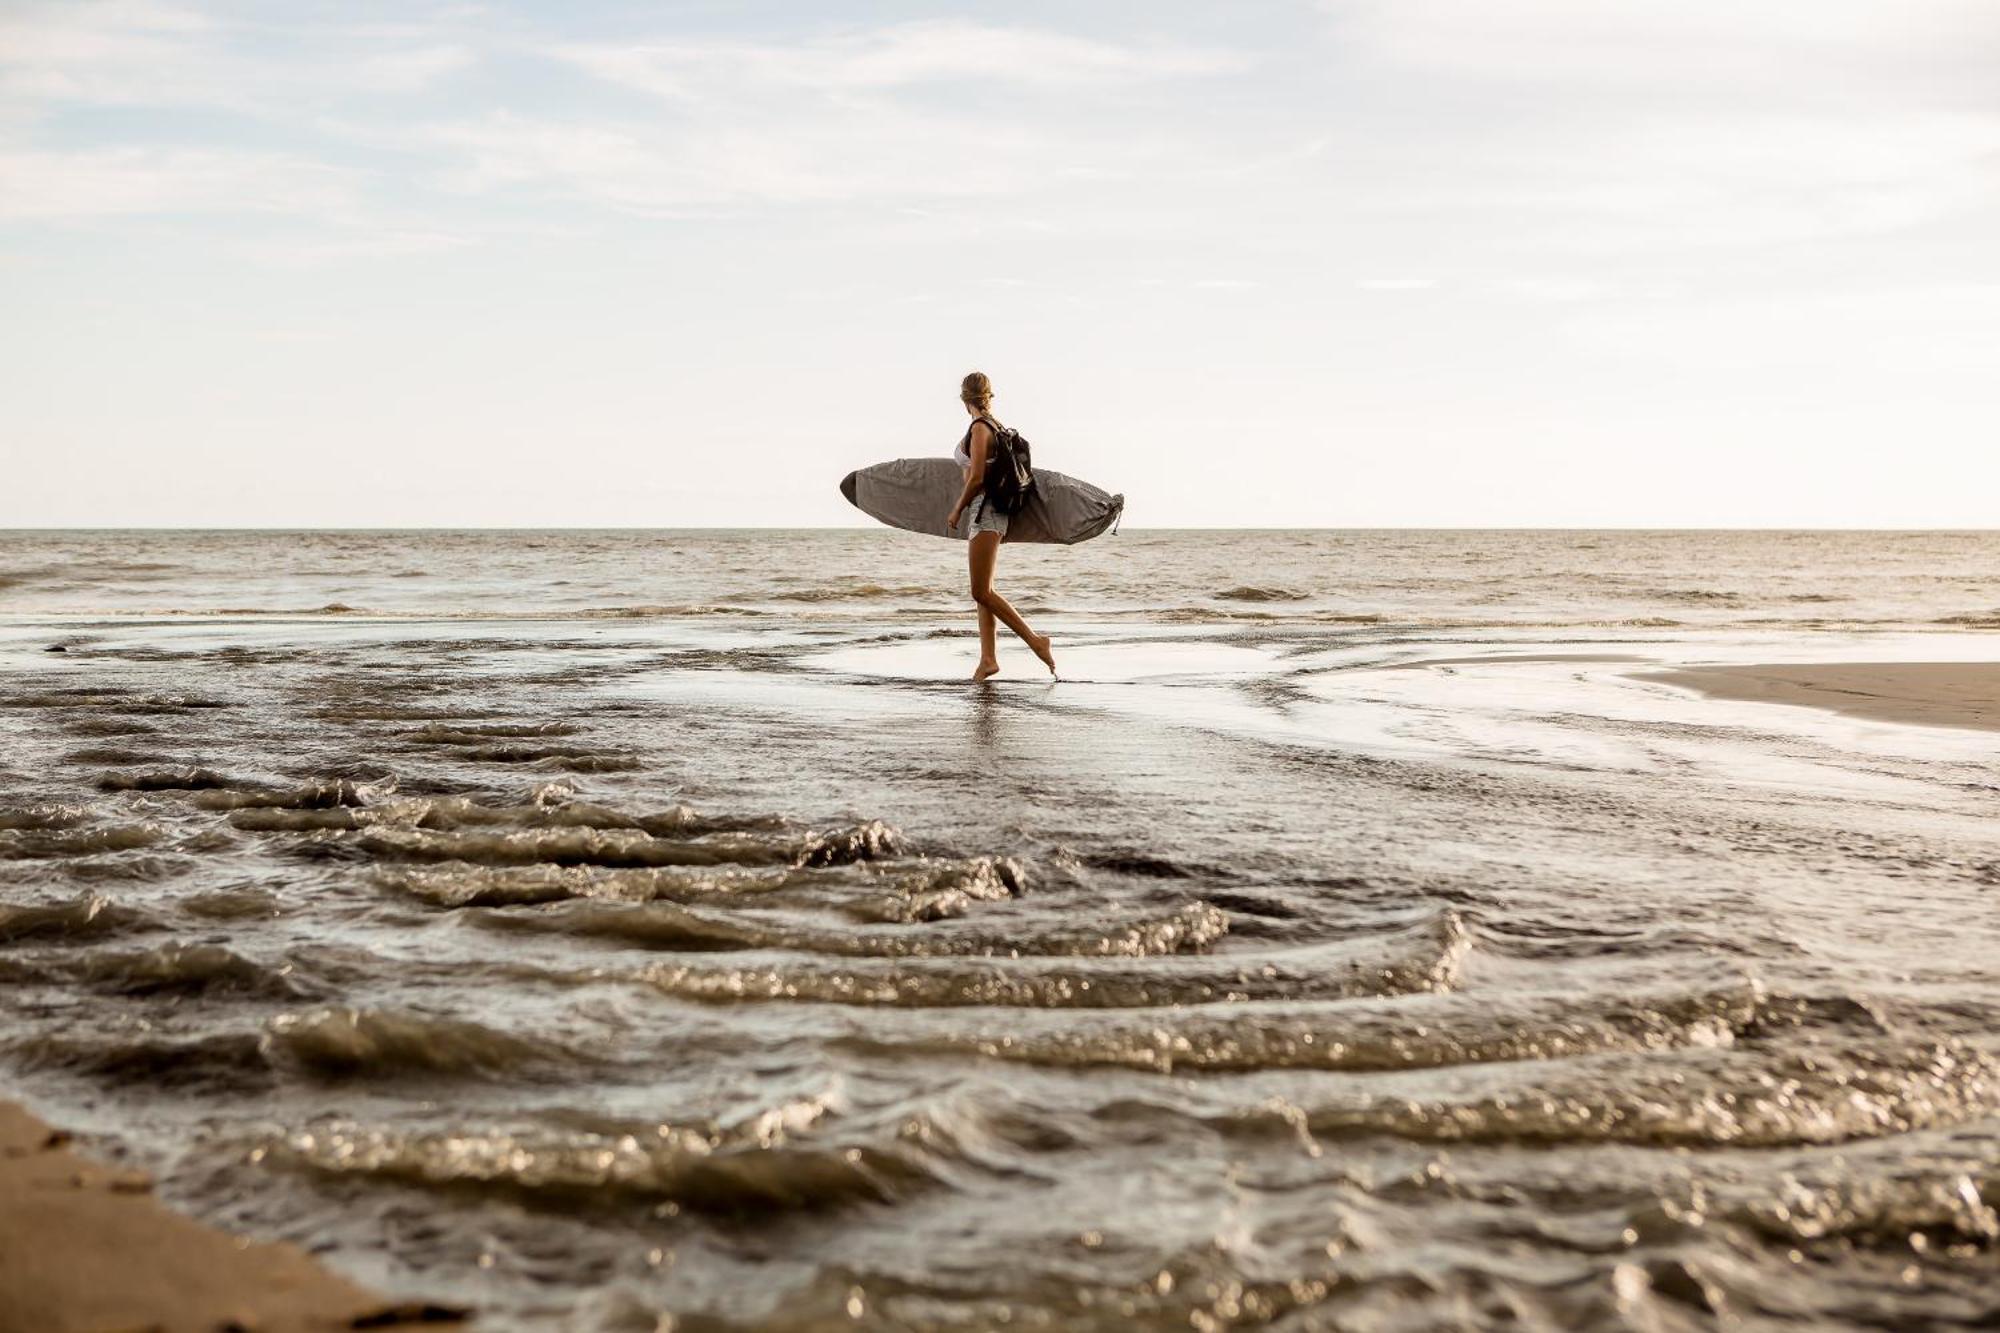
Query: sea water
pixel 596 926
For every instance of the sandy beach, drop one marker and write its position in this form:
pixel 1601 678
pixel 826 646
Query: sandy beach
pixel 1932 694
pixel 84 1248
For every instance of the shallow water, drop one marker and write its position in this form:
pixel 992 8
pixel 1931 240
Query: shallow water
pixel 589 926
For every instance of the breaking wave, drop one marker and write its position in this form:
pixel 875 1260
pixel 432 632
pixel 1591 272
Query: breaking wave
pixel 1694 1099
pixel 1422 959
pixel 702 1168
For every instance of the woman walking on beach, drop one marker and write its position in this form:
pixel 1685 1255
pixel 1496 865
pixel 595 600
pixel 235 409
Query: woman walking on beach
pixel 988 526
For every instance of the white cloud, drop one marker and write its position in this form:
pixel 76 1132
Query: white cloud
pixel 375 242
pixel 1553 289
pixel 1758 179
pixel 662 171
pixel 1704 42
pixel 947 52
pixel 131 53
pixel 878 115
pixel 758 128
pixel 1935 329
pixel 1655 126
pixel 407 71
pixel 898 116
pixel 652 170
pixel 39 185
pixel 109 52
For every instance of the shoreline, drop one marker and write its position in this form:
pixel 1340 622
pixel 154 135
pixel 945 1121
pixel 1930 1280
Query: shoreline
pixel 84 1246
pixel 1933 694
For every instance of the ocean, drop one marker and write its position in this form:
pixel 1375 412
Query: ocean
pixel 654 930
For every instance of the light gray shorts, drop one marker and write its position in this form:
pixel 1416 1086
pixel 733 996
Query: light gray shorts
pixel 983 517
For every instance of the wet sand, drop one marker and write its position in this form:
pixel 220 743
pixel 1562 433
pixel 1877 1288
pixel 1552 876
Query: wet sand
pixel 84 1246
pixel 1934 694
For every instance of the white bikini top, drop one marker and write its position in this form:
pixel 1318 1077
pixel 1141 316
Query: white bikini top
pixel 963 454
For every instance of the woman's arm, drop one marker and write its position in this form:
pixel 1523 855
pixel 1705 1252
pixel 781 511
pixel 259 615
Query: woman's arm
pixel 975 471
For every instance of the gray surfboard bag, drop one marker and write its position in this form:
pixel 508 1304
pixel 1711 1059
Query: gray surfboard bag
pixel 915 494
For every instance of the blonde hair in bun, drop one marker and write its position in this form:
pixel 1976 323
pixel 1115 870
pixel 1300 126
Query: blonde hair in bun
pixel 975 390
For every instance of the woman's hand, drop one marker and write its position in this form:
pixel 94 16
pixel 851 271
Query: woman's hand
pixel 951 520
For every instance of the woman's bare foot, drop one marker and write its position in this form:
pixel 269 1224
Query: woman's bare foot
pixel 983 670
pixel 1045 650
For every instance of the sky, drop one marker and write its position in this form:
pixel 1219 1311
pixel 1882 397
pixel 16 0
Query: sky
pixel 1353 263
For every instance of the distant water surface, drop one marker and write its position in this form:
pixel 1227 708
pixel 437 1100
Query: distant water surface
pixel 1437 578
pixel 602 926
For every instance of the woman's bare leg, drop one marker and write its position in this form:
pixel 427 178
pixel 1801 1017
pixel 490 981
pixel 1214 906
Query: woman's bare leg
pixel 989 653
pixel 984 551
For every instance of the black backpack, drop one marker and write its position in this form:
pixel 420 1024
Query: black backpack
pixel 1010 471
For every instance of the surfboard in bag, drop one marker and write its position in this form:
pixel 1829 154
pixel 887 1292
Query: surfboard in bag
pixel 915 494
